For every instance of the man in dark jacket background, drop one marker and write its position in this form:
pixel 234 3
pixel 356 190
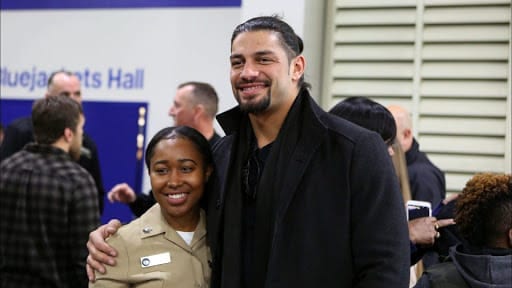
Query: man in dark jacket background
pixel 301 198
pixel 427 181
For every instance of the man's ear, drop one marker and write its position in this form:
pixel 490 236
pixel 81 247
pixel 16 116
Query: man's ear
pixel 407 139
pixel 299 64
pixel 68 135
pixel 198 111
pixel 407 133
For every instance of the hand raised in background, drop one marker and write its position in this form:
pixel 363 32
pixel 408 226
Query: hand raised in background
pixel 122 193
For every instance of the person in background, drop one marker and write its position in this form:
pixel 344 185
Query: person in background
pixel 195 105
pixel 49 203
pixel 20 131
pixel 300 197
pixel 484 217
pixel 427 181
pixel 373 116
pixel 166 246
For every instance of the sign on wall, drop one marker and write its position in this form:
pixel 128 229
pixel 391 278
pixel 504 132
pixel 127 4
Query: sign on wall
pixel 131 53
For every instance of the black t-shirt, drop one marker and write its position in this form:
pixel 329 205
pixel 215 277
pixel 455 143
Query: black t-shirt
pixel 251 174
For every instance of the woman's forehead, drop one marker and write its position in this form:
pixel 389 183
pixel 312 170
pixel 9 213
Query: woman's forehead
pixel 176 146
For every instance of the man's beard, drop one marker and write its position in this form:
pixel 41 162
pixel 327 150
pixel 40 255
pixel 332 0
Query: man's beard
pixel 255 108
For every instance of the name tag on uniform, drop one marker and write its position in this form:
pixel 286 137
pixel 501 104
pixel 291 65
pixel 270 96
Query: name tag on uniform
pixel 153 260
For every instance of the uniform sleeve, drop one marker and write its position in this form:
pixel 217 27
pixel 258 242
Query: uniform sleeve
pixel 116 276
pixel 380 241
pixel 83 218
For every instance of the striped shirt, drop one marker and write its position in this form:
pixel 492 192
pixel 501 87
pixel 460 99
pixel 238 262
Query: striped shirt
pixel 49 206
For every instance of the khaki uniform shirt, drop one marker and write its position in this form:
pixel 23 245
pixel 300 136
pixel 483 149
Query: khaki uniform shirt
pixel 152 254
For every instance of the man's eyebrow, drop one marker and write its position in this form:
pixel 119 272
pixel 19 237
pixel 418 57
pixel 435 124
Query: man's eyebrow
pixel 258 53
pixel 235 56
pixel 264 52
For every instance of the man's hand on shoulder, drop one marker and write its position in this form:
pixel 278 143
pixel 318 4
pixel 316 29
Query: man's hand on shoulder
pixel 100 253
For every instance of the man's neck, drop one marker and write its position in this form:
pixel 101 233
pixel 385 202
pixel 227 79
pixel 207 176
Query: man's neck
pixel 61 144
pixel 206 128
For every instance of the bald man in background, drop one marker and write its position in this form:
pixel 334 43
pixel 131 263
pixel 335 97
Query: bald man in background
pixel 195 105
pixel 427 181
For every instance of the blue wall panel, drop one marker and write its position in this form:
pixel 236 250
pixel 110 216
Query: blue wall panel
pixel 114 128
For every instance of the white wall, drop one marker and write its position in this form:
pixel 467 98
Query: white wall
pixel 171 46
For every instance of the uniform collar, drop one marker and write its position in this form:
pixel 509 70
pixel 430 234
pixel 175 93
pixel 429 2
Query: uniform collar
pixel 153 223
